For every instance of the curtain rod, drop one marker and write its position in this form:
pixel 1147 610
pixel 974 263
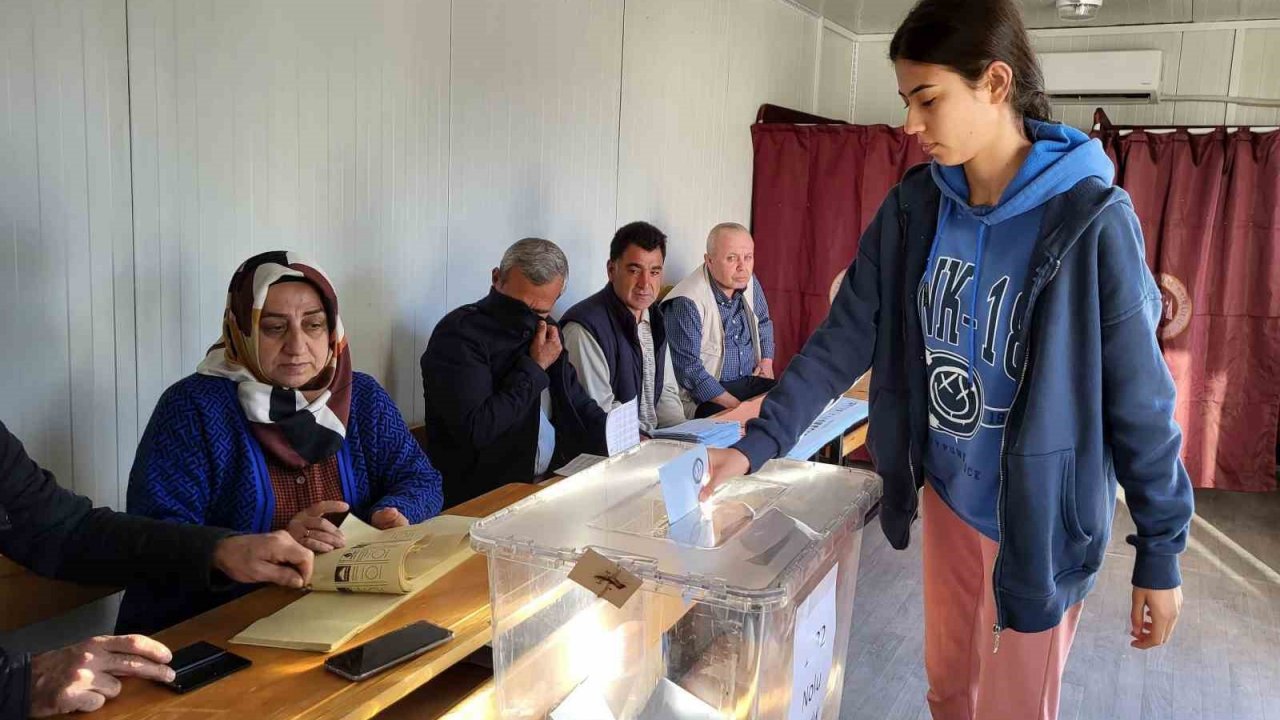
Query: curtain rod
pixel 1226 99
pixel 1189 128
pixel 1102 122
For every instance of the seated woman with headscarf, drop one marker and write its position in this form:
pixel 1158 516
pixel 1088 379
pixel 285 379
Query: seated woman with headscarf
pixel 274 431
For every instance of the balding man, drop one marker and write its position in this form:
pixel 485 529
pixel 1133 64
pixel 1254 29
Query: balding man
pixel 718 327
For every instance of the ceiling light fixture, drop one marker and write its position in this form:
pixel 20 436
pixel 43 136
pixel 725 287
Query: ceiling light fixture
pixel 1078 10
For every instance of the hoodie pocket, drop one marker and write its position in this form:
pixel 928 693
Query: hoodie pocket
pixel 1042 534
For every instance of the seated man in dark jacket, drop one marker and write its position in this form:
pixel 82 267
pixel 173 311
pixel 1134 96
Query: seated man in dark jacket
pixel 616 338
pixel 59 534
pixel 503 403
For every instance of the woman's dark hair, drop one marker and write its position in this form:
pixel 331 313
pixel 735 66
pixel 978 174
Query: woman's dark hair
pixel 642 235
pixel 967 36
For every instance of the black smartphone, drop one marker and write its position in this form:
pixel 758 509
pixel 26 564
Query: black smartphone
pixel 195 666
pixel 388 651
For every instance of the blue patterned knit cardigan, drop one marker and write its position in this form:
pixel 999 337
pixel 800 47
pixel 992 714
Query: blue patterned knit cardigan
pixel 199 463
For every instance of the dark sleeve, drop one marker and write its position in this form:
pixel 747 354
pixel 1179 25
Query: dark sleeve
pixel 1138 401
pixel 15 685
pixel 56 533
pixel 402 473
pixel 835 355
pixel 459 386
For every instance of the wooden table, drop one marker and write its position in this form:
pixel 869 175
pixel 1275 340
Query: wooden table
pixel 27 598
pixel 293 684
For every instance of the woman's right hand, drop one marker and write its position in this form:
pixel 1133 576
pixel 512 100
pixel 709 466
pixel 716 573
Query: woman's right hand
pixel 726 464
pixel 315 533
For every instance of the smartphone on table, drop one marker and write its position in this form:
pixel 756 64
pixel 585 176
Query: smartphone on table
pixel 387 651
pixel 197 665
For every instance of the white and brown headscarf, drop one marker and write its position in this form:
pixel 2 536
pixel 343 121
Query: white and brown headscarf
pixel 293 431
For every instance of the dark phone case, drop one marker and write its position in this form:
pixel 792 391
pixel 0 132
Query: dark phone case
pixel 199 664
pixel 335 664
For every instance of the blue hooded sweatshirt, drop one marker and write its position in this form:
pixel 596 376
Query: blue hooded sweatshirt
pixel 980 261
pixel 1092 406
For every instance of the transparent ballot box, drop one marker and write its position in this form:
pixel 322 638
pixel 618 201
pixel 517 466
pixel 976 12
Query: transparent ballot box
pixel 743 607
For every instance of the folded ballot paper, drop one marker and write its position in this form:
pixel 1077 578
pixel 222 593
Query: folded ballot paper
pixel 357 585
pixel 690 522
pixel 837 418
pixel 704 431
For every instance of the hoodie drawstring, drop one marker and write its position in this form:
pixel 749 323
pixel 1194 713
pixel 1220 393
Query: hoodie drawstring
pixel 973 302
pixel 943 214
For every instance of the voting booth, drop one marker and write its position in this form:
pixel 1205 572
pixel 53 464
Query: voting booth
pixel 615 594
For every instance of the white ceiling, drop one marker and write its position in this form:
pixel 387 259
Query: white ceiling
pixel 882 16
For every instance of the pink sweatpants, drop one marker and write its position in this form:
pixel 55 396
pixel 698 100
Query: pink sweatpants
pixel 967 679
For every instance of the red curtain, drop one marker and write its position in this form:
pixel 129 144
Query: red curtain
pixel 816 189
pixel 1210 211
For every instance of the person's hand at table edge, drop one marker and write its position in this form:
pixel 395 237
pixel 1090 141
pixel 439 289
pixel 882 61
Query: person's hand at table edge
pixel 82 677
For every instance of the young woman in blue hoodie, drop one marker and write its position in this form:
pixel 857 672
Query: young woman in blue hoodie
pixel 1002 301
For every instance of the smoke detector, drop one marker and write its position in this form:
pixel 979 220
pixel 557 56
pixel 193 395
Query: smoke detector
pixel 1078 10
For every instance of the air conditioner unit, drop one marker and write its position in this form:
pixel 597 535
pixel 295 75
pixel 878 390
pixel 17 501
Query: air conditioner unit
pixel 1107 77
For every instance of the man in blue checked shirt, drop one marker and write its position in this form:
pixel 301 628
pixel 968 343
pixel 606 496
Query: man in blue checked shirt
pixel 718 327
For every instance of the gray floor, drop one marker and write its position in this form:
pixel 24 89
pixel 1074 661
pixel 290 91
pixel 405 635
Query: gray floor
pixel 1223 663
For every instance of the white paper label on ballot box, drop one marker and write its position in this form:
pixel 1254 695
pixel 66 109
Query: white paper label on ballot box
pixel 814 650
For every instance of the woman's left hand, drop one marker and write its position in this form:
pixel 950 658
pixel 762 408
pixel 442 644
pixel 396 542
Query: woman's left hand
pixel 388 518
pixel 314 532
pixel 1153 617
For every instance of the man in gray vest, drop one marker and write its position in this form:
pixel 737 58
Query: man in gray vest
pixel 718 327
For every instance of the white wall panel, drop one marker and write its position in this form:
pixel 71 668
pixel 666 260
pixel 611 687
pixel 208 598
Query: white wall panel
pixel 150 147
pixel 1259 76
pixel 1204 68
pixel 772 57
pixel 835 76
pixel 883 16
pixel 671 148
pixel 534 136
pixel 1195 63
pixel 876 92
pixel 65 223
pixel 320 127
pixel 694 75
pixel 1210 10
